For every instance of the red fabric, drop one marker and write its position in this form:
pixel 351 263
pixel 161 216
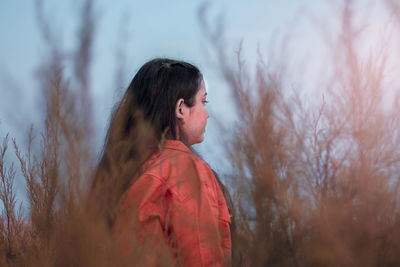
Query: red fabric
pixel 177 201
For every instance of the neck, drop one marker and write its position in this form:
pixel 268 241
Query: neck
pixel 180 136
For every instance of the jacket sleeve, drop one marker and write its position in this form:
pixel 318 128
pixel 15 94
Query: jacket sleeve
pixel 141 223
pixel 193 215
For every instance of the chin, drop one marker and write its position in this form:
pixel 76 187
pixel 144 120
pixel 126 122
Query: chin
pixel 197 141
pixel 200 140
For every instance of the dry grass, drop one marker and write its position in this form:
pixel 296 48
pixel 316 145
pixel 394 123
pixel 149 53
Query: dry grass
pixel 313 186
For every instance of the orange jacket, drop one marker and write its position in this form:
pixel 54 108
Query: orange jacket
pixel 178 206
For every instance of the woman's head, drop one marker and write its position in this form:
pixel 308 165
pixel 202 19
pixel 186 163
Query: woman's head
pixel 166 91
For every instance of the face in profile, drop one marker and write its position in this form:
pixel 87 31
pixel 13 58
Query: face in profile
pixel 194 119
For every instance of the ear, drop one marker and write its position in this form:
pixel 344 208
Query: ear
pixel 180 109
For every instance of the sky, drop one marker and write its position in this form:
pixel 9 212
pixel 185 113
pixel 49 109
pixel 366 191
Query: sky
pixel 143 30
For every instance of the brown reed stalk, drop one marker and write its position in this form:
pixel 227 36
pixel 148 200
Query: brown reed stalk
pixel 12 229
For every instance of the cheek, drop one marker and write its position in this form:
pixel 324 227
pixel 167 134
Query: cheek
pixel 204 117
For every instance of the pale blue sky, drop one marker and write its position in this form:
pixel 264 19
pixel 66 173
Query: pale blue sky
pixel 144 29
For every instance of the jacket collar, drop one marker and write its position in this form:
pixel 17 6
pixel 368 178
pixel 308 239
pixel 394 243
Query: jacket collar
pixel 176 145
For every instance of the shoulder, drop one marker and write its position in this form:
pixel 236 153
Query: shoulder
pixel 188 164
pixel 181 170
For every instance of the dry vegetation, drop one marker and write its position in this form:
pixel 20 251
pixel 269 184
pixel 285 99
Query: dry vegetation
pixel 314 185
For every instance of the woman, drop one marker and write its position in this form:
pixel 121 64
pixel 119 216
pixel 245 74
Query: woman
pixel 166 197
